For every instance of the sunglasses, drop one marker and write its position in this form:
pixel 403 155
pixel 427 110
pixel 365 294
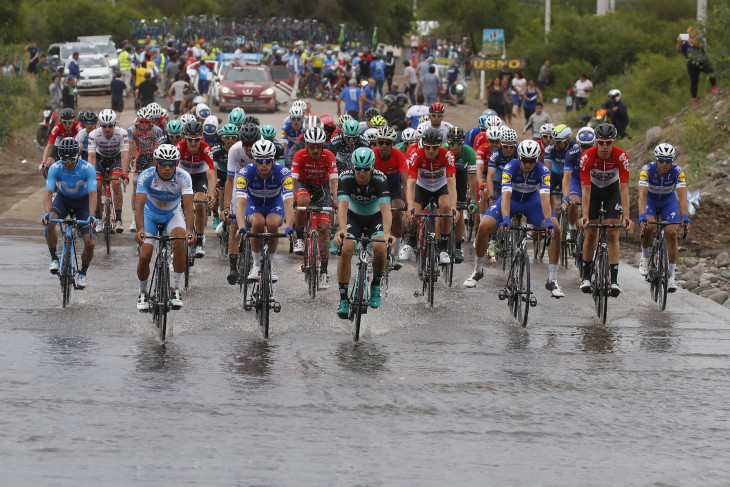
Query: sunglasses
pixel 144 121
pixel 315 146
pixel 107 125
pixel 456 143
pixel 547 137
pixel 89 123
pixel 68 122
pixel 528 160
pixel 229 137
pixel 386 143
pixel 69 160
pixel 193 140
pixel 586 146
pixel 507 146
pixel 437 115
pixel 167 163
pixel 431 147
pixel 296 119
pixel 604 142
pixel 265 161
pixel 665 160
pixel 362 169
pixel 174 136
pixel 493 141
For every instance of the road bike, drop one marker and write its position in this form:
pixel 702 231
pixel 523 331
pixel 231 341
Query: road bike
pixel 190 248
pixel 69 261
pixel 311 259
pixel 109 214
pixel 469 221
pixel 427 255
pixel 658 276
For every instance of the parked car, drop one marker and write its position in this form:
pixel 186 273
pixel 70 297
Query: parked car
pixel 106 46
pixel 59 53
pixel 96 75
pixel 248 87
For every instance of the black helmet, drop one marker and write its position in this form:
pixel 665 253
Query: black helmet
pixel 249 133
pixel 193 127
pixel 402 97
pixel 251 119
pixel 371 112
pixel 456 135
pixel 606 131
pixel 389 100
pixel 87 117
pixel 68 114
pixel 432 136
pixel 69 149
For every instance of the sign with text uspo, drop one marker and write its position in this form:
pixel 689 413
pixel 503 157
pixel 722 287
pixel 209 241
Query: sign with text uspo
pixel 480 63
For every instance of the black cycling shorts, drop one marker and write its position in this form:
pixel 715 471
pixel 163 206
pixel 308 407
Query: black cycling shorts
pixel 462 186
pixel 370 226
pixel 200 182
pixel 611 198
pixel 423 196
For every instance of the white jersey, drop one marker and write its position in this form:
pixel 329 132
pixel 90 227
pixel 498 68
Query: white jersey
pixel 163 197
pixel 237 159
pixel 108 147
pixel 443 128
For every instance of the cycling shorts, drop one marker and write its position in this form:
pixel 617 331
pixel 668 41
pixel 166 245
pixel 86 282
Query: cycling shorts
pixel 532 209
pixel 276 207
pixel 611 198
pixel 171 220
pixel 667 208
pixel 108 164
pixel 462 186
pixel 221 178
pixel 200 182
pixel 369 225
pixel 396 189
pixel 423 196
pixel 319 196
pixel 63 205
pixel 556 183
pixel 575 188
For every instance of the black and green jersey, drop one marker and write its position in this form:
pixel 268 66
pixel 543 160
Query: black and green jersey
pixel 220 157
pixel 466 159
pixel 343 150
pixel 364 199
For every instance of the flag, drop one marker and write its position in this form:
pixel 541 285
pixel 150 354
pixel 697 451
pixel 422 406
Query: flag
pixel 375 37
pixel 694 201
pixel 342 34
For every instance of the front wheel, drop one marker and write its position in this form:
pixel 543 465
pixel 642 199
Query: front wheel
pixel 66 273
pixel 312 262
pixel 41 135
pixel 107 225
pixel 357 302
pixel 264 298
pixel 524 291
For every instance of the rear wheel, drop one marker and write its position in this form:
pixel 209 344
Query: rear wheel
pixel 66 274
pixel 41 135
pixel 264 298
pixel 312 258
pixel 357 302
pixel 524 292
pixel 107 225
pixel 579 252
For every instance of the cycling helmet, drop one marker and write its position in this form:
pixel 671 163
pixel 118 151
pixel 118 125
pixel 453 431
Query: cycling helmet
pixel 420 130
pixel 143 114
pixel 389 100
pixel 68 115
pixel 371 134
pixel 251 119
pixel 493 121
pixel 315 135
pixel 378 121
pixel 198 100
pixel 508 135
pixel 174 127
pixel 107 117
pixel 202 111
pixel 432 136
pixel 363 157
pixel 489 112
pixel 312 121
pixel 665 150
pixel 482 122
pixel 166 152
pixel 69 149
pixel 370 113
pixel 424 119
pixel 343 118
pixel 351 128
pixel 263 149
pixel 387 133
pixel 562 132
pixel 436 108
pixel 236 116
pixel 227 130
pixel 547 129
pixel 615 95
pixel 529 149
pixel 494 133
pixel 163 112
pixel 249 133
pixel 301 104
pixel 606 131
pixel 155 110
pixel 210 126
pixel 296 112
pixel 456 135
pixel 328 120
pixel 408 135
pixel 193 127
pixel 401 97
pixel 187 117
pixel 88 117
pixel 268 131
pixel 586 136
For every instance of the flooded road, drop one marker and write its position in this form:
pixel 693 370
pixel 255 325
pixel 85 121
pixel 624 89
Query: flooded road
pixel 456 395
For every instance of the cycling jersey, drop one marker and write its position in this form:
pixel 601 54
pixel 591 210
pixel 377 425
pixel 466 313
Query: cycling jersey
pixel 466 160
pixel 497 161
pixel 289 135
pixel 522 186
pixel 479 139
pixel 220 157
pixel 264 192
pixel 58 132
pixel 572 164
pixel 82 138
pixel 112 147
pixel 661 188
pixel 343 150
pixel 443 128
pixel 363 199
pixel 557 157
pixel 431 175
pixel 471 136
pixel 161 122
pixel 211 140
pixel 146 142
pixel 163 197
pixel 602 173
pixel 197 163
pixel 237 159
pixel 483 152
pixel 391 167
pixel 314 173
pixel 75 183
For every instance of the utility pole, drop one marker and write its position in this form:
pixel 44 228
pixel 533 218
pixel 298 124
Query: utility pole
pixel 601 7
pixel 547 19
pixel 702 10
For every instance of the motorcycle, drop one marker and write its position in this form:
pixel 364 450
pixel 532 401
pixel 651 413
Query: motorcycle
pixel 50 119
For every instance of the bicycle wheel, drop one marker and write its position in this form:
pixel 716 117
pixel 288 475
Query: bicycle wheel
pixel 189 258
pixel 511 286
pixel 431 270
pixel 107 225
pixel 264 301
pixel 451 248
pixel 564 239
pixel 66 274
pixel 524 291
pixel 357 301
pixel 539 245
pixel 163 298
pixel 662 275
pixel 421 250
pixel 244 267
pixel 579 252
pixel 601 284
pixel 312 259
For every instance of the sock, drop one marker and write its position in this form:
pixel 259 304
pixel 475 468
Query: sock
pixel 200 239
pixel 133 215
pixel 119 215
pixel 177 278
pixel 343 290
pixel 645 252
pixel 458 243
pixel 143 286
pixel 671 268
pixel 412 240
pixel 377 276
pixel 215 212
pixel 256 258
pixel 84 269
pixel 479 264
pixel 587 269
pixel 323 267
pixel 233 261
pixel 444 244
pixel 552 272
pixel 614 273
pixel 52 251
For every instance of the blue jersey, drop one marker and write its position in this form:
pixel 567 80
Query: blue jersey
pixel 558 157
pixel 661 188
pixel 471 135
pixel 524 187
pixel 351 95
pixel 289 135
pixel 74 184
pixel 328 64
pixel 163 197
pixel 212 140
pixel 377 69
pixel 264 192
pixel 572 164
pixel 497 161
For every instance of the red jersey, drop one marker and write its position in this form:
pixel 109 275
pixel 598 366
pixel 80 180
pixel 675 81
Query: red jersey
pixel 542 150
pixel 391 167
pixel 162 122
pixel 602 173
pixel 314 173
pixel 58 133
pixel 431 175
pixel 483 153
pixel 196 163
pixel 480 139
pixel 411 149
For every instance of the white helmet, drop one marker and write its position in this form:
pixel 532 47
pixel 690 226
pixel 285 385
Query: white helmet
pixel 615 94
pixel 420 130
pixel 665 150
pixel 386 133
pixel 186 117
pixel 508 135
pixel 408 135
pixel 494 133
pixel 586 136
pixel 529 149
pixel 296 112
pixel 155 110
pixel 547 129
pixel 301 104
pixel 263 149
pixel 312 121
pixel 198 99
pixel 493 121
pixel 107 117
pixel 166 152
pixel 315 135
pixel 562 132
pixel 202 111
pixel 210 125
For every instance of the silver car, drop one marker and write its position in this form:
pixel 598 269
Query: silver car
pixel 96 75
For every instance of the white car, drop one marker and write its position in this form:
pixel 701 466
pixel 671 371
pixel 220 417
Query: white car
pixel 96 75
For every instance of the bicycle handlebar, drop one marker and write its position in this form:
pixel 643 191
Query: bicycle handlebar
pixel 267 235
pixel 314 208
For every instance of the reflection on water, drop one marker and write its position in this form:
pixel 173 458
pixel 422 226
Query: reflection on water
pixel 71 350
pixel 597 338
pixel 657 332
pixel 160 364
pixel 252 359
pixel 364 358
pixel 518 339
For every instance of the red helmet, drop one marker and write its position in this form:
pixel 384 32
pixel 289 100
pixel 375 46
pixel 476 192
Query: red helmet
pixel 436 108
pixel 327 120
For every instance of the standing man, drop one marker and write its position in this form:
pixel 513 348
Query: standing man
pixel 542 76
pixel 351 95
pixel 583 88
pixel 125 66
pixel 367 98
pixel 73 66
pixel 34 56
pixel 69 92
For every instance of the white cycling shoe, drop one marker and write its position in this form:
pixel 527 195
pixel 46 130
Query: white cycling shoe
pixel 644 266
pixel 405 252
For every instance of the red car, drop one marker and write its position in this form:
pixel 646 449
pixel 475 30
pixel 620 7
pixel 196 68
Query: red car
pixel 248 87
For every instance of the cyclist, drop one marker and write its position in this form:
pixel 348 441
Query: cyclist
pixel 236 117
pixel 407 137
pixel 109 153
pixel 658 181
pixel 88 119
pixel 210 130
pixel 466 180
pixel 264 197
pixel 526 190
pixel 546 138
pixel 345 143
pixel 292 128
pixel 484 151
pixel 143 138
pixel 158 115
pixel 196 158
pixel 435 120
pixel 311 170
pixel 490 121
pixel 363 208
pixel 173 133
pixel 75 182
pixel 370 114
pixel 202 111
pixel 268 132
pixel 555 156
pixel 227 136
pixel 431 176
pixel 604 176
pixel 498 159
pixel 309 121
pixel 571 178
pixel 67 127
pixel 164 197
pixel 472 133
pixel 392 163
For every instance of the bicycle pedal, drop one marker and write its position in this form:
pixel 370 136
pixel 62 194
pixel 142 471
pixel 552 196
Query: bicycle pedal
pixel 503 295
pixel 533 301
pixel 276 306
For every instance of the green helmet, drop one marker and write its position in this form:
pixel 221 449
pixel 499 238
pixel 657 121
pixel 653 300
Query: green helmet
pixel 363 157
pixel 378 121
pixel 228 130
pixel 351 128
pixel 268 131
pixel 174 127
pixel 236 117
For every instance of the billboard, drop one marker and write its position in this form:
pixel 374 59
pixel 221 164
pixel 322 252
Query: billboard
pixel 492 42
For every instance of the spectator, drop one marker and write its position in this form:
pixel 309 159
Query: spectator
pixel 55 90
pixel 73 66
pixel 176 93
pixel 507 89
pixel 451 79
pixel 8 68
pixel 518 87
pixel 416 111
pixel 583 88
pixel 423 67
pixel 618 112
pixel 203 74
pixel 44 67
pixel 410 81
pixel 163 61
pixel 367 97
pixel 147 90
pixel 170 73
pixel 536 120
pixel 697 61
pixel 389 68
pixel 351 95
pixel 430 85
pixel 495 97
pixel 377 68
pixel 34 53
pixel 239 58
pixel 542 76
pixel 69 92
pixel 125 66
pixel 531 97
pixel 118 89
